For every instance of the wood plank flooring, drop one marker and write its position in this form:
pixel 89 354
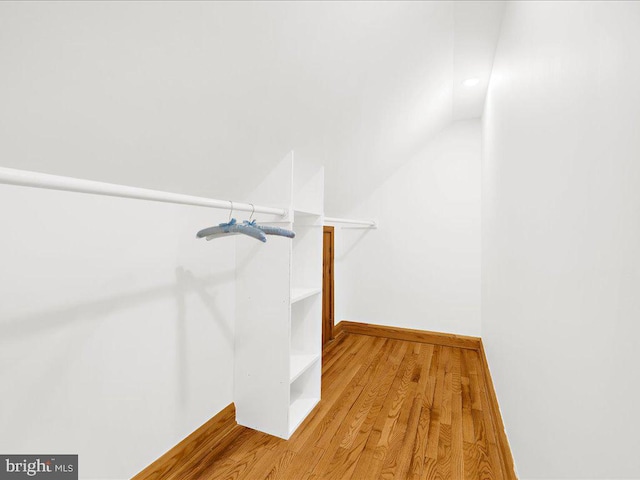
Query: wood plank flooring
pixel 390 409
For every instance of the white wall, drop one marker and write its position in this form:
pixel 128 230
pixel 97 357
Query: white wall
pixel 561 231
pixel 421 268
pixel 204 98
pixel 116 327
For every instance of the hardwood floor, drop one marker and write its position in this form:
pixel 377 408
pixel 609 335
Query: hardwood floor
pixel 390 409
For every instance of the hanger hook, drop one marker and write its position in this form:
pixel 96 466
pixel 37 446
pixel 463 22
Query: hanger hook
pixel 230 211
pixel 253 210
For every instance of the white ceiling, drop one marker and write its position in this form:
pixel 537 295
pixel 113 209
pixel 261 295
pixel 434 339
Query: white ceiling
pixel 477 25
pixel 202 97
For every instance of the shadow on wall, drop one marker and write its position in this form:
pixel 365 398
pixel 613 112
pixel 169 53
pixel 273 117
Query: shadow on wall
pixel 186 282
pixel 54 319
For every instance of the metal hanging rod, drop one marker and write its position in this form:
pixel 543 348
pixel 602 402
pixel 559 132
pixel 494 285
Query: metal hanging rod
pixel 365 223
pixel 25 178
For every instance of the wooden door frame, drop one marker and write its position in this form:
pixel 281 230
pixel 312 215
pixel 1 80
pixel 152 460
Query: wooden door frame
pixel 331 259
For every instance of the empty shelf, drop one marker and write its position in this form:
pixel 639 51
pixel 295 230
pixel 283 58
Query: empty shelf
pixel 300 362
pixel 298 294
pixel 298 410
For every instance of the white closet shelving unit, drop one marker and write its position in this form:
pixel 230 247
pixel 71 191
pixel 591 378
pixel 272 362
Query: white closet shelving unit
pixel 279 306
pixel 278 289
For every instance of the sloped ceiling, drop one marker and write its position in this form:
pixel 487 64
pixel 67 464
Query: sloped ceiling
pixel 202 98
pixel 477 25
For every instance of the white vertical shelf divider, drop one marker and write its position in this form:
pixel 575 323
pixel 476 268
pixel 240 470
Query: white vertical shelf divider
pixel 278 340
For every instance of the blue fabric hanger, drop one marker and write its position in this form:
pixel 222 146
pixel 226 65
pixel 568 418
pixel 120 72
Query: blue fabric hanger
pixel 269 230
pixel 232 228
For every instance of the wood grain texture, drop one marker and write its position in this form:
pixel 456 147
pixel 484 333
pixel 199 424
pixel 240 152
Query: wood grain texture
pixel 338 330
pixel 422 336
pixel 208 436
pixel 390 409
pixel 328 284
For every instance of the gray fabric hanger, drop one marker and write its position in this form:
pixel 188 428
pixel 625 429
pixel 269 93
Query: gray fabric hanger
pixel 232 228
pixel 269 230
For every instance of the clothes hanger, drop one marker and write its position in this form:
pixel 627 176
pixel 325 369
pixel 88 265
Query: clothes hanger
pixel 268 229
pixel 232 228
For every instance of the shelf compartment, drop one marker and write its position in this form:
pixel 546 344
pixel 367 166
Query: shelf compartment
pixel 299 410
pixel 306 326
pixel 300 363
pixel 298 294
pixel 304 394
pixel 307 263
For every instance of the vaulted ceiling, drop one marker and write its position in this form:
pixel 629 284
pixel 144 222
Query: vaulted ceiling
pixel 202 97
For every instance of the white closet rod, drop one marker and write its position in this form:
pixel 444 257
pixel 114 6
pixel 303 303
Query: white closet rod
pixel 25 178
pixel 366 223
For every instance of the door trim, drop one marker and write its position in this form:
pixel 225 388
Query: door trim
pixel 328 324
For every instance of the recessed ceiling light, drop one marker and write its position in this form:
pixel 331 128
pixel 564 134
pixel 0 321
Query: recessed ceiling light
pixel 471 82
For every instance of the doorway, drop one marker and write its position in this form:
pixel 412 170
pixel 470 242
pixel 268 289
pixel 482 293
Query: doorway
pixel 327 285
